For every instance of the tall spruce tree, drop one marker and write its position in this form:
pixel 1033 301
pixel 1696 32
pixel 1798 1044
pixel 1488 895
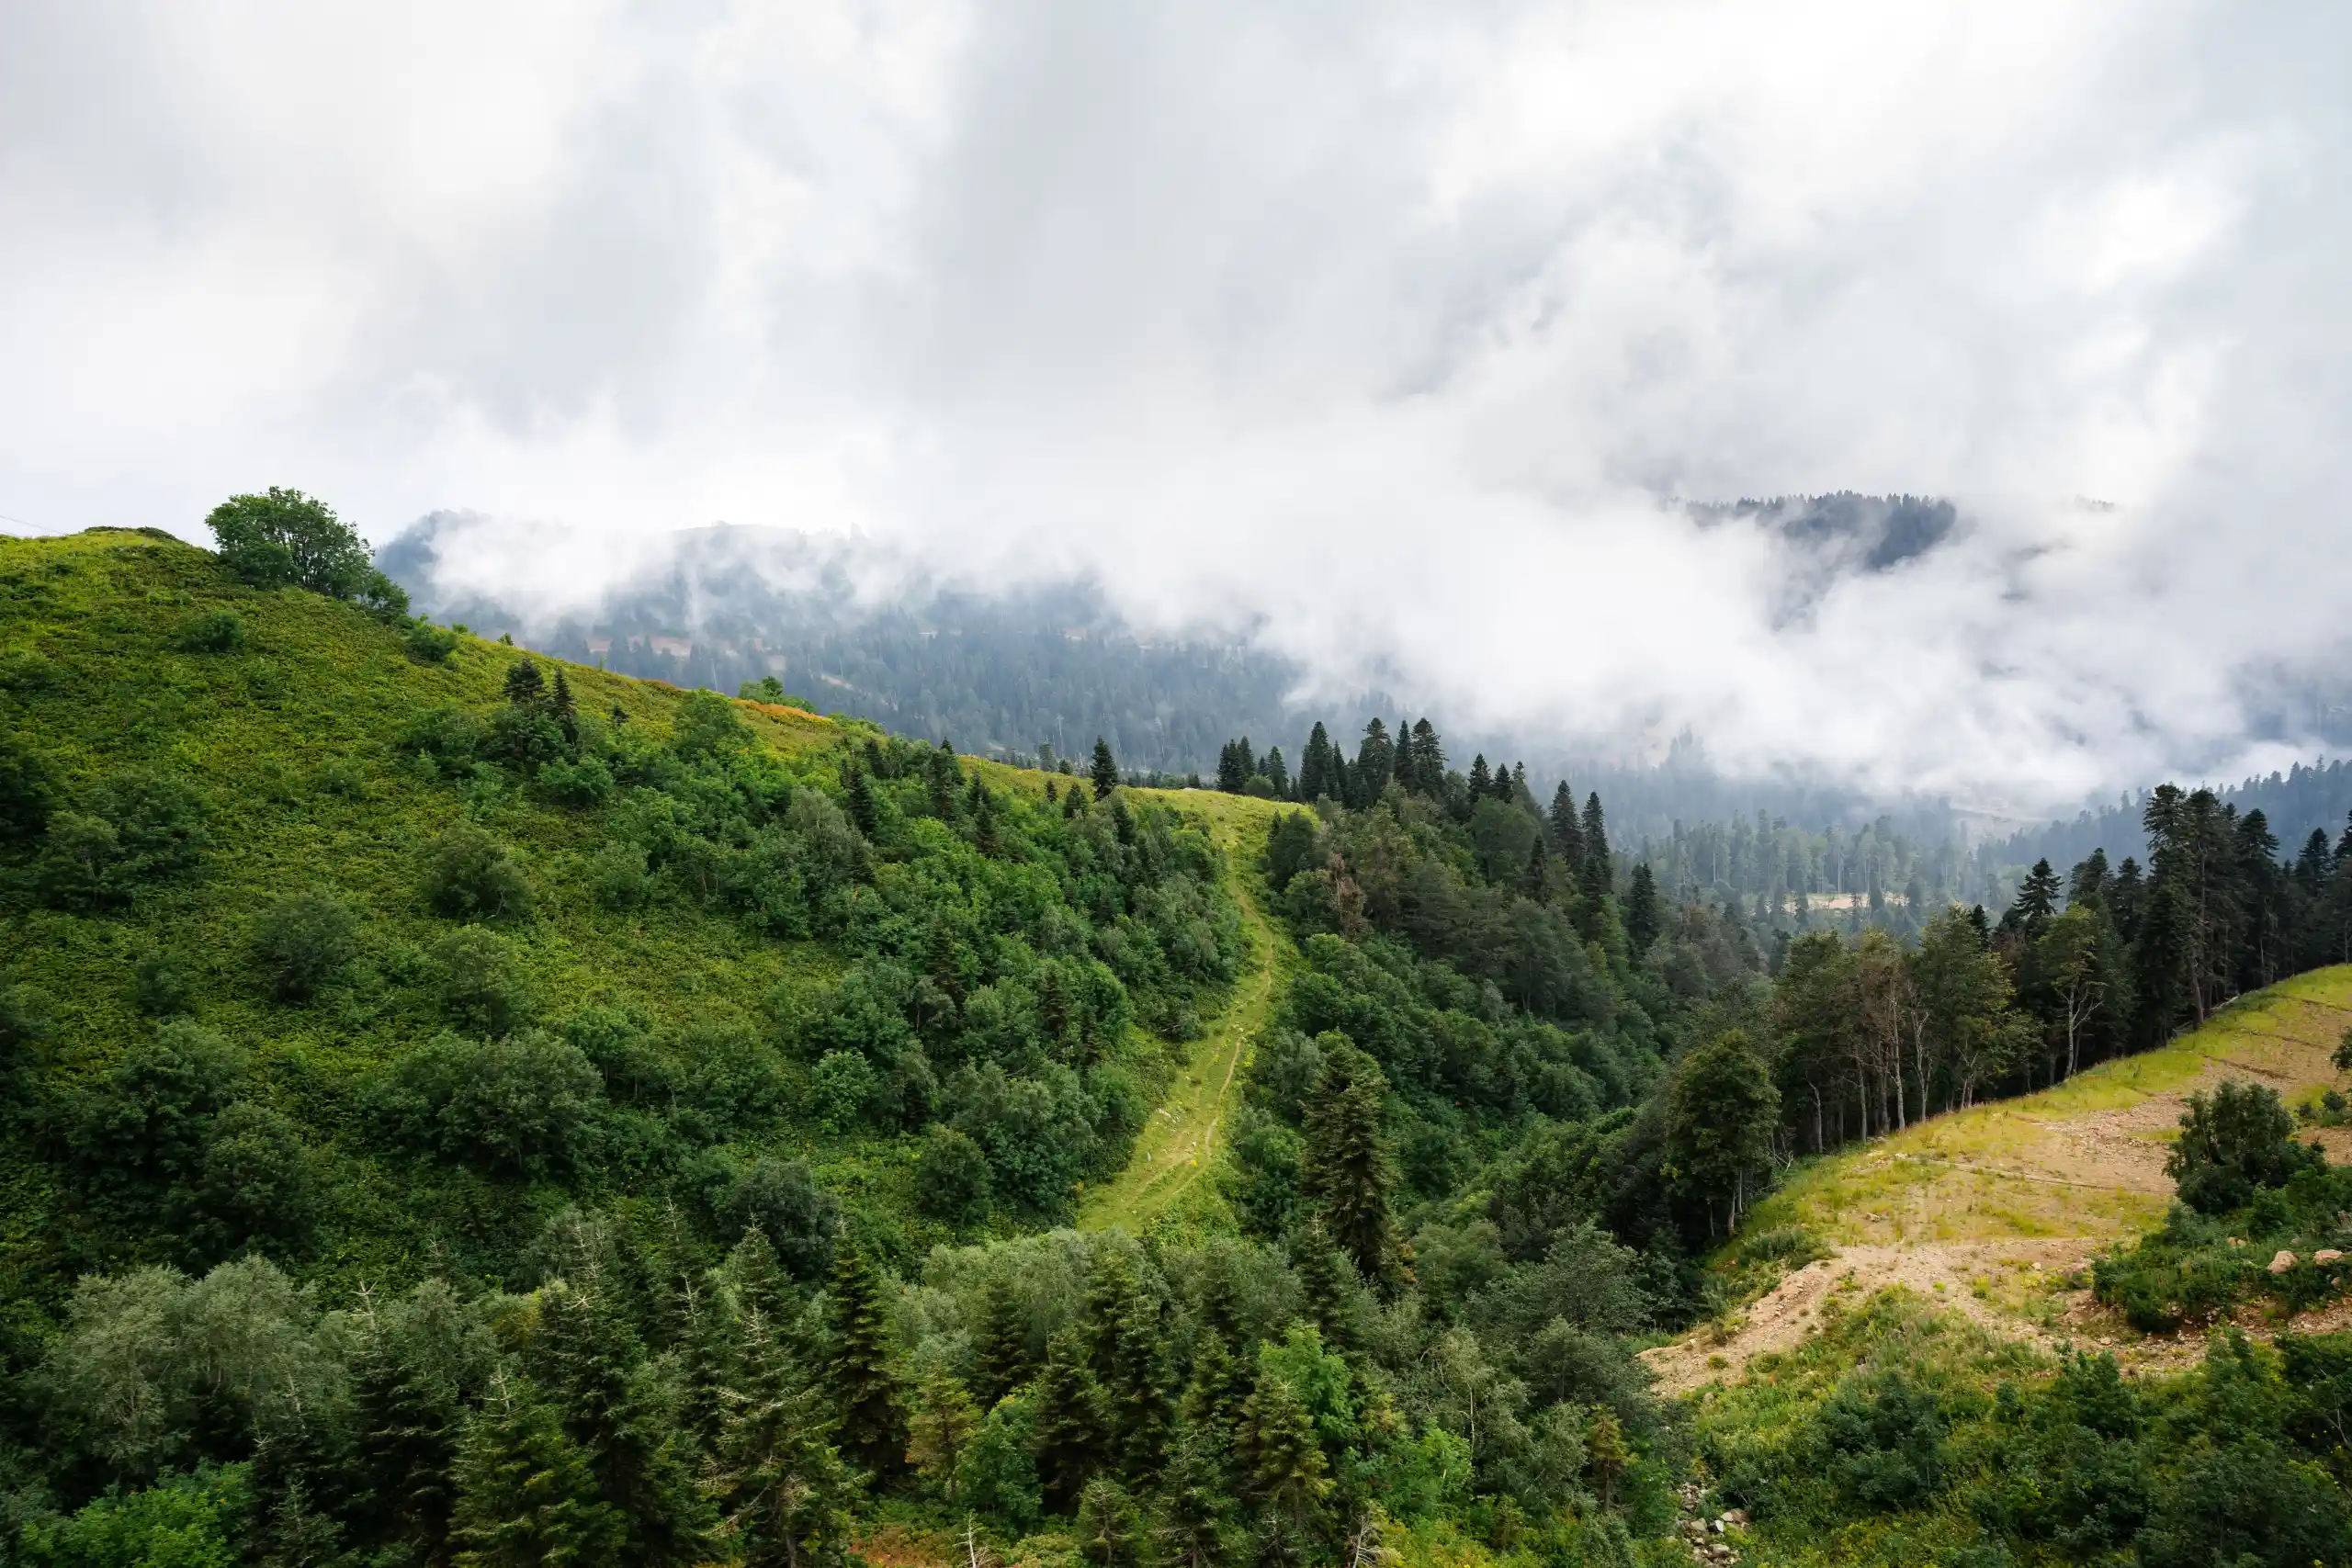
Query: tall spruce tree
pixel 1000 1359
pixel 1375 759
pixel 1280 1458
pixel 1314 780
pixel 1599 874
pixel 865 1397
pixel 612 1406
pixel 404 1443
pixel 1482 782
pixel 1567 835
pixel 526 1497
pixel 1104 773
pixel 784 1491
pixel 1641 909
pixel 1349 1172
pixel 1073 1430
pixel 1129 1360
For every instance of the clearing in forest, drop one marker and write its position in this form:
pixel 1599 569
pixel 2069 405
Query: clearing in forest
pixel 1999 1210
pixel 1177 1144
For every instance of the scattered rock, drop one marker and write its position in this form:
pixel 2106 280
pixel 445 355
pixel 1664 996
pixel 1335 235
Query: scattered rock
pixel 2326 1255
pixel 2281 1263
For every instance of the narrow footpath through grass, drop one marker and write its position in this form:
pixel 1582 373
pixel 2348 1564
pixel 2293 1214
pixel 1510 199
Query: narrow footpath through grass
pixel 1178 1145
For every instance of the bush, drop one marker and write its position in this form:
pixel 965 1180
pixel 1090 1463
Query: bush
pixel 197 1520
pixel 429 644
pixel 449 738
pixel 521 1106
pixel 142 1133
pixel 708 725
pixel 162 984
pixel 780 1198
pixel 222 631
pixel 469 875
pixel 1883 1442
pixel 952 1177
pixel 846 1087
pixel 144 826
pixel 581 785
pixel 26 792
pixel 303 943
pixel 617 873
pixel 341 778
pixel 254 1186
pixel 2239 1142
pixel 478 983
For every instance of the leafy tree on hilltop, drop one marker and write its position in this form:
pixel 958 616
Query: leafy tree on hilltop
pixel 285 539
pixel 1721 1111
pixel 2238 1141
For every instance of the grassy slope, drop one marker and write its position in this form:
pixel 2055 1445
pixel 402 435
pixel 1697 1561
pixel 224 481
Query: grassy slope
pixel 1178 1144
pixel 2084 1159
pixel 320 683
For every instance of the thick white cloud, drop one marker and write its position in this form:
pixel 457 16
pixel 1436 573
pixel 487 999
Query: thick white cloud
pixel 1384 330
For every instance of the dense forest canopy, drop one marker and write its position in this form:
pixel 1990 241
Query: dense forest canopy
pixel 466 1107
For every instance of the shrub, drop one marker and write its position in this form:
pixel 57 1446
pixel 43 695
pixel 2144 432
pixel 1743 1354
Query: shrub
pixel 254 1185
pixel 580 785
pixel 952 1177
pixel 26 792
pixel 1883 1442
pixel 143 1131
pixel 617 873
pixel 2240 1141
pixel 780 1198
pixel 429 644
pixel 197 1520
pixel 303 943
pixel 144 826
pixel 222 631
pixel 519 1106
pixel 469 875
pixel 26 1019
pixel 341 778
pixel 845 1086
pixel 478 983
pixel 708 725
pixel 447 737
pixel 162 984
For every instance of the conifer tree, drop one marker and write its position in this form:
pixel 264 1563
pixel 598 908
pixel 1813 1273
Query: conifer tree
pixel 1195 1504
pixel 1641 909
pixel 1109 1532
pixel 1348 1170
pixel 1482 783
pixel 1073 802
pixel 1599 874
pixel 705 1350
pixel 1375 759
pixel 1104 773
pixel 1328 1279
pixel 866 1405
pixel 1315 779
pixel 1536 880
pixel 2037 898
pixel 757 1278
pixel 1605 1455
pixel 1220 1382
pixel 1567 836
pixel 1073 1435
pixel 525 684
pixel 1127 1360
pixel 594 1369
pixel 526 1494
pixel 1281 1462
pixel 863 812
pixel 941 1424
pixel 1001 1360
pixel 1426 756
pixel 1230 774
pixel 782 1491
pixel 1277 772
pixel 566 712
pixel 404 1444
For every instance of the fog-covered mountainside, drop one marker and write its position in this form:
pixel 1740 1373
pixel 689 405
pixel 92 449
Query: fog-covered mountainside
pixel 856 627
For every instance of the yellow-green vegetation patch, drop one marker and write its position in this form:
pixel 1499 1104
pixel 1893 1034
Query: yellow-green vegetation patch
pixel 2085 1158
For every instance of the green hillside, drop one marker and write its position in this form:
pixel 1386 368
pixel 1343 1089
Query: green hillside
pixel 676 935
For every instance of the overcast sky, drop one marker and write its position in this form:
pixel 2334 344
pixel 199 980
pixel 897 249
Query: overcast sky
pixel 1386 331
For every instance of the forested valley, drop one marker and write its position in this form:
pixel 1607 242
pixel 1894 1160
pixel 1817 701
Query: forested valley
pixel 469 1108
